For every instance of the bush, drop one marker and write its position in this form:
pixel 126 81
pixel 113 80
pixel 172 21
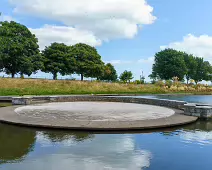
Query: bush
pixel 160 83
pixel 168 83
pixel 139 82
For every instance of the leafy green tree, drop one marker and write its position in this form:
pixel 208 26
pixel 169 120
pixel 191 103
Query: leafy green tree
pixel 169 63
pixel 109 73
pixel 208 71
pixel 191 66
pixel 19 51
pixel 126 76
pixel 202 71
pixel 58 59
pixel 154 77
pixel 88 61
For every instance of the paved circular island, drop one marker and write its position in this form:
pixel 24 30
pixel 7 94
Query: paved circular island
pixel 94 116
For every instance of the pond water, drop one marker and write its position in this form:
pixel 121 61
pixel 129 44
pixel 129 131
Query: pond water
pixel 180 148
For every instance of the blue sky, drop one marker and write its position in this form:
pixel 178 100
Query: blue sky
pixel 138 29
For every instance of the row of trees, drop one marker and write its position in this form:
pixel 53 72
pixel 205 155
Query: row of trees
pixel 171 63
pixel 20 54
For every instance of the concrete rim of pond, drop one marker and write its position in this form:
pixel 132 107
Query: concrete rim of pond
pixel 94 116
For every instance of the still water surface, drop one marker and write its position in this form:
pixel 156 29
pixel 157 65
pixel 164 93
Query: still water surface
pixel 181 148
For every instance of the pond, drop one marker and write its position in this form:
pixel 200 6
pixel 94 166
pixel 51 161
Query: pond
pixel 180 148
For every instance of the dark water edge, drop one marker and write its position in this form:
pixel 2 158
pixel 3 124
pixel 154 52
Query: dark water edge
pixel 179 148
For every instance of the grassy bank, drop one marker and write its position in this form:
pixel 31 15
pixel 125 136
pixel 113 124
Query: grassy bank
pixel 22 87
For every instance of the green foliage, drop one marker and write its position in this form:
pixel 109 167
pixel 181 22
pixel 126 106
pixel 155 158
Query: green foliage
pixel 202 71
pixel 169 63
pixel 168 83
pixel 191 66
pixel 109 73
pixel 160 83
pixel 19 51
pixel 88 61
pixel 126 76
pixel 58 59
pixel 138 82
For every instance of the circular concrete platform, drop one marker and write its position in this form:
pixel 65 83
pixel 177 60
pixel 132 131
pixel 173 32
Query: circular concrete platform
pixel 95 111
pixel 94 116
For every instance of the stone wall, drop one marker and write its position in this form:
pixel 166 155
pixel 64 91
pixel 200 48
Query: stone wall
pixel 157 102
pixel 203 111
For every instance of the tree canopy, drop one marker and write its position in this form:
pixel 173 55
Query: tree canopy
pixel 19 50
pixel 202 70
pixel 109 73
pixel 58 59
pixel 126 76
pixel 169 63
pixel 191 66
pixel 88 61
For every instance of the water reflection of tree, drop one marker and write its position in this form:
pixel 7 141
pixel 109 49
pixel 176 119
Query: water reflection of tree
pixel 15 143
pixel 205 126
pixel 200 125
pixel 59 136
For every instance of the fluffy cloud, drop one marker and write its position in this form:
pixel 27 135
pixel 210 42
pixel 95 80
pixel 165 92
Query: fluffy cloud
pixel 199 46
pixel 63 34
pixel 100 20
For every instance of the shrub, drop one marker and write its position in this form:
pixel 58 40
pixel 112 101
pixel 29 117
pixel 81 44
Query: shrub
pixel 168 83
pixel 160 83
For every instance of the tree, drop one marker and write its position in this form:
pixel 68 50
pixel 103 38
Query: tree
pixel 19 51
pixel 109 73
pixel 203 70
pixel 191 66
pixel 169 63
pixel 208 71
pixel 58 59
pixel 88 61
pixel 126 76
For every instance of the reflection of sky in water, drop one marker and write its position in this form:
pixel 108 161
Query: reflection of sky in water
pixel 199 137
pixel 185 148
pixel 113 152
pixel 187 98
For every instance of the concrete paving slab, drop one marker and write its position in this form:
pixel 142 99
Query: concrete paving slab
pixel 94 116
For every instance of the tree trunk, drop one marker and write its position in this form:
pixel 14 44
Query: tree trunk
pixel 187 81
pixel 13 75
pixel 54 76
pixel 82 77
pixel 22 75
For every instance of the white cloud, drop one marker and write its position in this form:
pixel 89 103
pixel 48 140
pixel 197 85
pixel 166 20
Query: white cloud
pixel 198 45
pixel 102 20
pixel 118 62
pixel 6 18
pixel 62 34
pixel 149 60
